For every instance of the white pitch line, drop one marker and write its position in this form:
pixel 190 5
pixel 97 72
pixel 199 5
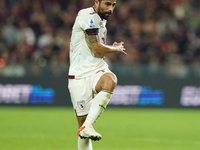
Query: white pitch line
pixel 30 136
pixel 176 141
pixel 136 139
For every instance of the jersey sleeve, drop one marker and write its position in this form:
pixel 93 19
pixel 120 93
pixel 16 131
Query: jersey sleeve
pixel 88 23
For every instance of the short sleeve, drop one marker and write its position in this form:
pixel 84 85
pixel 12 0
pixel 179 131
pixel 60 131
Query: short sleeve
pixel 87 20
pixel 92 31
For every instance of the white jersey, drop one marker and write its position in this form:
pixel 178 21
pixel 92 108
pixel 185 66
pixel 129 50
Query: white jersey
pixel 83 61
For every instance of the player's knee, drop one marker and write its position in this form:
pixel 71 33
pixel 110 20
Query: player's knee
pixel 114 79
pixel 110 82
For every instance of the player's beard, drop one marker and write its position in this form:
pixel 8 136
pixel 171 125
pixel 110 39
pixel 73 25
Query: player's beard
pixel 104 15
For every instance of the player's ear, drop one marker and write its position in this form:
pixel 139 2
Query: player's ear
pixel 96 3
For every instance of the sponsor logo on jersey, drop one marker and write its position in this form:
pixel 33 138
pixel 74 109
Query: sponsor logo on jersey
pixel 92 23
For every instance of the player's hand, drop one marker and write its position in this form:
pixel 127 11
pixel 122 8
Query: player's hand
pixel 120 47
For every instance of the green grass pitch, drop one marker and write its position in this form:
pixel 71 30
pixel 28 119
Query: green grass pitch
pixel 44 128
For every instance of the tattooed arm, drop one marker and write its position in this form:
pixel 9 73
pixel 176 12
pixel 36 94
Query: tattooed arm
pixel 100 48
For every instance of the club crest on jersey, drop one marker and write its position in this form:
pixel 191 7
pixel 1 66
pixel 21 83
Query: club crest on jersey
pixel 92 23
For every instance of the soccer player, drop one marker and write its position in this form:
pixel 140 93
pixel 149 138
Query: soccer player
pixel 88 73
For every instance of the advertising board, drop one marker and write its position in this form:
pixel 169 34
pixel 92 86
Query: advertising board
pixel 142 92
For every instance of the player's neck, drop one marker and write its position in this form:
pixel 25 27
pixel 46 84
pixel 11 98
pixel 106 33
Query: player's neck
pixel 95 9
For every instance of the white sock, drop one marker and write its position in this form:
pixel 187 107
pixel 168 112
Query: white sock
pixel 84 144
pixel 98 105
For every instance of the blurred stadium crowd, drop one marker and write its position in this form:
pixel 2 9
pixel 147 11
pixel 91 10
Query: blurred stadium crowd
pixel 35 35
